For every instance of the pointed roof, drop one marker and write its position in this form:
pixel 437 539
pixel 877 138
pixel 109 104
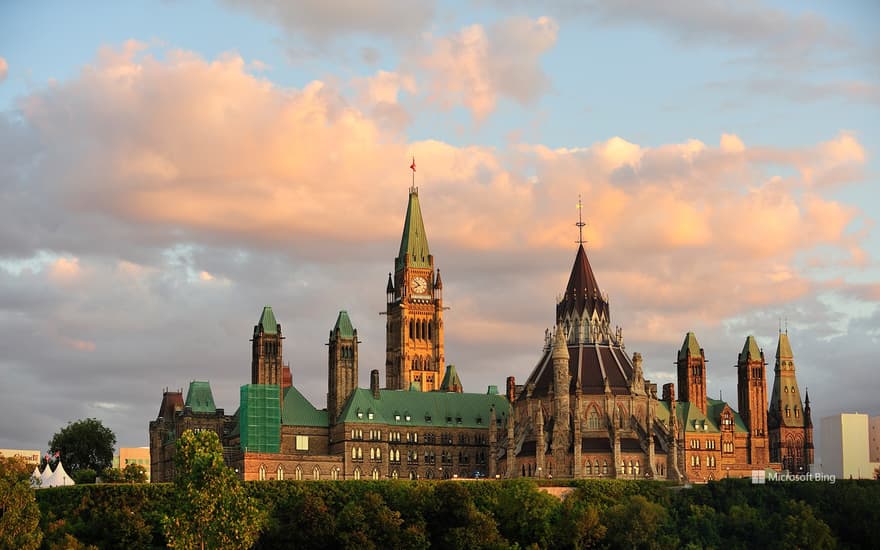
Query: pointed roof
pixel 690 347
pixel 296 410
pixel 438 283
pixel 451 381
pixel 750 351
pixel 582 291
pixel 267 320
pixel 560 346
pixel 199 397
pixel 414 241
pixel 783 347
pixel 390 287
pixel 343 325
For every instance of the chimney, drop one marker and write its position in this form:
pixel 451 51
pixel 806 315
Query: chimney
pixel 511 389
pixel 374 383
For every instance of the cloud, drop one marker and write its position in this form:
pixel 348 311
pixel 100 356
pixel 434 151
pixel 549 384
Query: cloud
pixel 142 182
pixel 476 67
pixel 323 21
pixel 4 69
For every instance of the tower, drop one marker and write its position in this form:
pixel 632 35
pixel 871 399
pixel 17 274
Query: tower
pixel 786 418
pixel 266 363
pixel 561 388
pixel 751 389
pixel 692 372
pixel 414 346
pixel 342 368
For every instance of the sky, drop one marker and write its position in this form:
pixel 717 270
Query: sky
pixel 168 168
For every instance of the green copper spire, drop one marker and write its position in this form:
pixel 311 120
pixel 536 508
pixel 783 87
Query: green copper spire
pixel 199 397
pixel 690 347
pixel 267 319
pixel 783 349
pixel 414 242
pixel 343 325
pixel 750 349
pixel 451 382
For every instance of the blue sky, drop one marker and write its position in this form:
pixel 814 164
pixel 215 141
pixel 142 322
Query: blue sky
pixel 182 163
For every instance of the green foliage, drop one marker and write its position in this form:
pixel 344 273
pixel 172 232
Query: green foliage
pixel 523 513
pixel 19 514
pixel 636 523
pixel 134 473
pixel 211 508
pixel 112 475
pixel 86 475
pixel 804 530
pixel 84 444
pixel 578 523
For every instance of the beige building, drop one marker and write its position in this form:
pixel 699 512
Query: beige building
pixel 133 455
pixel 845 444
pixel 30 457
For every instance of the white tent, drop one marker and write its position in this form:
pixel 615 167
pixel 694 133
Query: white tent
pixel 44 477
pixel 59 477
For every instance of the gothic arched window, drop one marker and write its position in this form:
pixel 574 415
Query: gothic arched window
pixel 279 473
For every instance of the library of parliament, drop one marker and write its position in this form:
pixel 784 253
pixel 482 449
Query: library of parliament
pixel 584 410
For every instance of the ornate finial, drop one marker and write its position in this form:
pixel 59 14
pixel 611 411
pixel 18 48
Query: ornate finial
pixel 412 167
pixel 580 223
pixel 786 326
pixel 780 325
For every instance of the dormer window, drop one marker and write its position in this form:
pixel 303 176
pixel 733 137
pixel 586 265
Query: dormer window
pixel 370 414
pixel 360 413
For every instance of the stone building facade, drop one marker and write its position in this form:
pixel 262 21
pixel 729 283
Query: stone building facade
pixel 586 410
pixel 421 425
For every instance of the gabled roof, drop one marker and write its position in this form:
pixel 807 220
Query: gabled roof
pixel 451 381
pixel 694 421
pixel 297 411
pixel 582 291
pixel 714 408
pixel 690 347
pixel 267 320
pixel 343 325
pixel 199 397
pixel 750 351
pixel 415 408
pixel 414 241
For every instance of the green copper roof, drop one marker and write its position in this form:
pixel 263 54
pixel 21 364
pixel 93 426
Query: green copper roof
pixel 297 411
pixel 750 350
pixel 412 408
pixel 199 397
pixel 414 241
pixel 693 420
pixel 690 347
pixel 451 381
pixel 267 319
pixel 343 325
pixel 783 348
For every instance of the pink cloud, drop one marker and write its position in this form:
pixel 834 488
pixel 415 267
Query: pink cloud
pixel 4 69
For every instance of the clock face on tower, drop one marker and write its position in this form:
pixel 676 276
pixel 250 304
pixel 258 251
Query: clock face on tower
pixel 419 285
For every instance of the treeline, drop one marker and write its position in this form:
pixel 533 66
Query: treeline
pixel 492 514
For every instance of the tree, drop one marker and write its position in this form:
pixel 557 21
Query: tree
pixel 804 530
pixel 84 444
pixel 19 514
pixel 211 507
pixel 635 523
pixel 84 476
pixel 134 473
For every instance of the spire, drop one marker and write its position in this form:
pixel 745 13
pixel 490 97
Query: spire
pixel 783 348
pixel 580 223
pixel 343 325
pixel 750 350
pixel 268 322
pixel 560 346
pixel 390 288
pixel 690 347
pixel 414 242
pixel 582 291
pixel 438 284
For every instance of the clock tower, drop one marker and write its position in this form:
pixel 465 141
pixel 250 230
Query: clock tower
pixel 414 345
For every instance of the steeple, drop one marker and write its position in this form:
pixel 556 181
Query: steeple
pixel 413 242
pixel 691 365
pixel 582 291
pixel 751 390
pixel 789 422
pixel 342 366
pixel 266 352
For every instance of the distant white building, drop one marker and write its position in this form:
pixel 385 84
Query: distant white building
pixel 874 443
pixel 845 446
